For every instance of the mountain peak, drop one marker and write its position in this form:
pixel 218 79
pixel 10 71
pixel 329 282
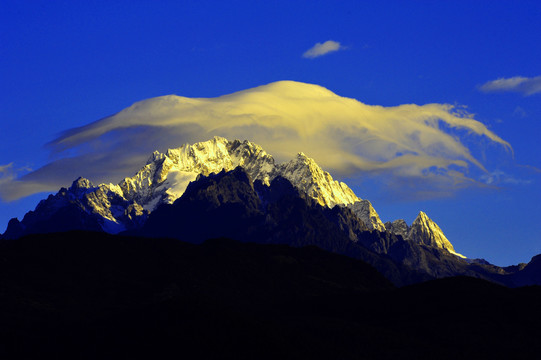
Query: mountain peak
pixel 422 218
pixel 398 227
pixel 366 212
pixel 165 177
pixel 303 159
pixel 425 231
pixel 307 176
pixel 80 185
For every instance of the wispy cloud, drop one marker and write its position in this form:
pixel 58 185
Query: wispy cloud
pixel 420 147
pixel 6 172
pixel 521 84
pixel 320 49
pixel 498 177
pixel 12 188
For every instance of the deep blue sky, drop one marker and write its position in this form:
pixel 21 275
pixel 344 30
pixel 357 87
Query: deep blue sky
pixel 65 64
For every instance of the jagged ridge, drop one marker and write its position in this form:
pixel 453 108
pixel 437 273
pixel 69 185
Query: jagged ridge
pixel 166 176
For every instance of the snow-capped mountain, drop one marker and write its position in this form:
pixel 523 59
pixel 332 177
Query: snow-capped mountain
pixel 81 206
pixel 165 177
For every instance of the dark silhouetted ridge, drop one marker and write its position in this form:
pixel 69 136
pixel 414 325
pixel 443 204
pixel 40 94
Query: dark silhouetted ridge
pixel 88 295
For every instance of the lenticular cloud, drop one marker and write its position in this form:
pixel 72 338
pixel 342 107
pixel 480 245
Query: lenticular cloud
pixel 343 135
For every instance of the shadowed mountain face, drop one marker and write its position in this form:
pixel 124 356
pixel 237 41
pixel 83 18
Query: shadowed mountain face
pixel 82 206
pixel 295 203
pixel 527 274
pixel 66 218
pixel 229 204
pixel 172 292
pixel 81 295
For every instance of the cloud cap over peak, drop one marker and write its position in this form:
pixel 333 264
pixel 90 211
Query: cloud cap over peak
pixel 521 84
pixel 320 49
pixel 419 145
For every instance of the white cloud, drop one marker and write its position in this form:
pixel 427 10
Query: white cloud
pixel 419 147
pixel 320 49
pixel 525 85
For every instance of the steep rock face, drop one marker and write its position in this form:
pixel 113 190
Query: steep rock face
pixel 366 212
pixel 398 227
pixel 82 206
pixel 218 205
pixel 424 247
pixel 425 231
pixel 307 176
pixel 431 260
pixel 230 204
pixel 525 274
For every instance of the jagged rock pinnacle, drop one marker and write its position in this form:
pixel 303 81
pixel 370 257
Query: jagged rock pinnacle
pixel 425 231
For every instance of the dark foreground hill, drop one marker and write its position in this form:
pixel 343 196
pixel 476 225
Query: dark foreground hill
pixel 83 295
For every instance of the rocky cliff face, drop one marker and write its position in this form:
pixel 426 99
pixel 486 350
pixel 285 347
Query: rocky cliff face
pixel 366 212
pixel 82 206
pixel 308 177
pixel 398 227
pixel 229 204
pixel 424 231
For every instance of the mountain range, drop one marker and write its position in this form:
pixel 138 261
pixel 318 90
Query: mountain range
pixel 214 250
pixel 222 188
